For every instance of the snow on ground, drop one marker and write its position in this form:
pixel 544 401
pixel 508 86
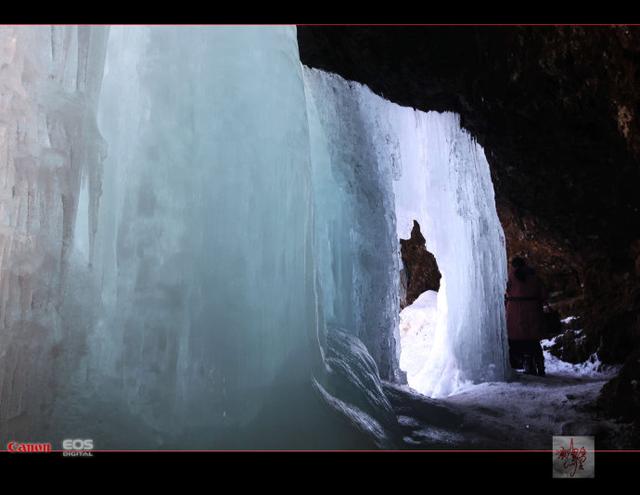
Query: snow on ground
pixel 523 413
pixel 528 411
pixel 417 327
pixel 592 367
pixel 568 319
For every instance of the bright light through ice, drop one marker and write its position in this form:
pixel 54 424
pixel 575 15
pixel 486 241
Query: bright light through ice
pixel 417 329
pixel 436 174
pixel 446 186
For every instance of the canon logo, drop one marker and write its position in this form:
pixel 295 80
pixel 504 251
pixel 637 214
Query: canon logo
pixel 21 447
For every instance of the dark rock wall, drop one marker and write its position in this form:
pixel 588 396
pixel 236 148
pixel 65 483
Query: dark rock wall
pixel 555 263
pixel 620 397
pixel 421 268
pixel 557 112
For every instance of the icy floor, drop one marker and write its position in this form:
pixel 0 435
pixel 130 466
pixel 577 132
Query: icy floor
pixel 523 413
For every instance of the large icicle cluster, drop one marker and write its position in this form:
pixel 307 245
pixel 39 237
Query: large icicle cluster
pixel 356 239
pixel 384 158
pixel 204 239
pixel 447 188
pixel 49 143
pixel 199 241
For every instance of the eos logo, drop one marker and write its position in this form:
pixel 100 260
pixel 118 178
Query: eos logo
pixel 77 447
pixel 77 444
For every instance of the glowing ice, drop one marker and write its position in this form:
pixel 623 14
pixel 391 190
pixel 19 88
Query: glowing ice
pixel 439 176
pixel 244 227
pixel 205 230
pixel 49 144
pixel 451 195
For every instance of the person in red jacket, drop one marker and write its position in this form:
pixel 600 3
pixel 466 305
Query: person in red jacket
pixel 525 300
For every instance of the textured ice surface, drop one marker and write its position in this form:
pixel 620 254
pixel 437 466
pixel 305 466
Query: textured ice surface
pixel 191 221
pixel 49 145
pixel 452 196
pixel 354 216
pixel 205 227
pixel 383 157
pixel 352 386
pixel 179 306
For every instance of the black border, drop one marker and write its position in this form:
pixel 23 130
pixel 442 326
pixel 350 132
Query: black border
pixel 506 469
pixel 327 12
pixel 497 468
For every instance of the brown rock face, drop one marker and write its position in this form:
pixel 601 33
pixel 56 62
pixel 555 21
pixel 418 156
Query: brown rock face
pixel 557 112
pixel 421 268
pixel 554 261
pixel 621 396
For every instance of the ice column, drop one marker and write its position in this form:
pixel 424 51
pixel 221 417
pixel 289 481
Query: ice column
pixel 447 187
pixel 354 216
pixel 49 143
pixel 204 238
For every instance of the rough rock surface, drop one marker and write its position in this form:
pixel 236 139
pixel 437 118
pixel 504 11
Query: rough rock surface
pixel 420 267
pixel 556 265
pixel 620 397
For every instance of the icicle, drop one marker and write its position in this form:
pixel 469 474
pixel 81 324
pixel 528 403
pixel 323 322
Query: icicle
pixel 43 146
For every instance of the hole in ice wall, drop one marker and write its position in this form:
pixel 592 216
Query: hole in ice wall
pixel 419 285
pixel 419 269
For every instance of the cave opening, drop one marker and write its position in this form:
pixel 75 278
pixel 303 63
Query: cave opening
pixel 419 287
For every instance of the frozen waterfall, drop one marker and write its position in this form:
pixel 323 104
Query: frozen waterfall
pixel 204 239
pixel 386 158
pixel 356 239
pixel 49 145
pixel 448 189
pixel 199 242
